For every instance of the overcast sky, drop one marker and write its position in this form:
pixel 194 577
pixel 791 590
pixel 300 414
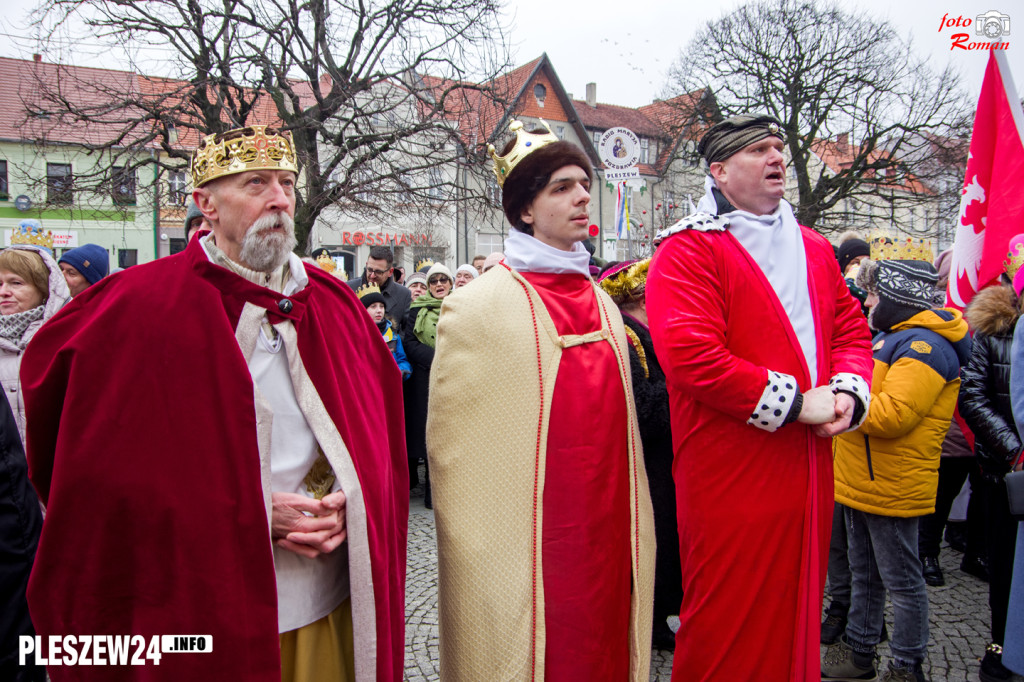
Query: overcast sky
pixel 627 53
pixel 627 47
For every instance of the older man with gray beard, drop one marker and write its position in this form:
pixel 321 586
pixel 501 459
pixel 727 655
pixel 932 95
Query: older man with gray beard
pixel 190 435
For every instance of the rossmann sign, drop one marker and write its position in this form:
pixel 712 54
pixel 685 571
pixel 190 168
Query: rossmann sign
pixel 359 238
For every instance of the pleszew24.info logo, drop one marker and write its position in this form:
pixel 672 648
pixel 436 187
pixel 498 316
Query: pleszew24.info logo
pixel 989 31
pixel 107 649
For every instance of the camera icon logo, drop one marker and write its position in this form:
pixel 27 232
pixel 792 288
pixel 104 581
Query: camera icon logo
pixel 992 24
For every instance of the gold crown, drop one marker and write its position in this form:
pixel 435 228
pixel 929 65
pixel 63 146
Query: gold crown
pixel 526 143
pixel 240 150
pixel 31 232
pixel 424 264
pixel 1014 260
pixel 367 289
pixel 628 284
pixel 326 262
pixel 887 248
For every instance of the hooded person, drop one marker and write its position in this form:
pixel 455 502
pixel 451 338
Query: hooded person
pixel 886 475
pixel 545 536
pixel 766 357
pixel 271 516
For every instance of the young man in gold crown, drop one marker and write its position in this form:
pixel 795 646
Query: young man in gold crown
pixel 545 536
pixel 200 461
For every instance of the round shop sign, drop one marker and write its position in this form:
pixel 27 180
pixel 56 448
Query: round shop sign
pixel 22 202
pixel 619 148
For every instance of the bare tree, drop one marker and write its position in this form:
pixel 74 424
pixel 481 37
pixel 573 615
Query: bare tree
pixel 847 88
pixel 370 89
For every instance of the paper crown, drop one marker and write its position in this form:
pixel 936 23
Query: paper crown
pixel 367 289
pixel 1014 257
pixel 424 265
pixel 325 262
pixel 526 143
pixel 887 248
pixel 240 150
pixel 31 232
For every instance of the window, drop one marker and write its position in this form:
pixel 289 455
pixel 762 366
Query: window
pixel 177 188
pixel 122 180
pixel 560 132
pixel 58 183
pixel 177 245
pixel 645 150
pixel 540 92
pixel 489 243
pixel 127 258
pixel 668 201
pixel 435 190
pixel 597 138
pixel 493 192
pixel 3 181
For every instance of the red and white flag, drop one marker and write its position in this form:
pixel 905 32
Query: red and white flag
pixel 992 201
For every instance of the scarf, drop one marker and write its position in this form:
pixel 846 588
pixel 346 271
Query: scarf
pixel 525 253
pixel 425 328
pixel 776 244
pixel 13 326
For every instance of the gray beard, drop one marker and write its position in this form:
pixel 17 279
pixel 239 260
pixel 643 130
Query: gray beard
pixel 267 251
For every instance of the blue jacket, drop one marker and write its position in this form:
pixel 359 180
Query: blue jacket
pixel 394 342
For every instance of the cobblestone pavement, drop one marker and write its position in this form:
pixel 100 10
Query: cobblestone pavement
pixel 958 612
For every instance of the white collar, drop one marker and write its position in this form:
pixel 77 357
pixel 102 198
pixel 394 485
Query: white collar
pixel 525 253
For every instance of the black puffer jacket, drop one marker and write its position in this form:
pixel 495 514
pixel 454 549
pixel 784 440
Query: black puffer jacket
pixel 985 389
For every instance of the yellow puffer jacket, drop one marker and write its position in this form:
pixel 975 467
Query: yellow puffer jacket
pixel 890 465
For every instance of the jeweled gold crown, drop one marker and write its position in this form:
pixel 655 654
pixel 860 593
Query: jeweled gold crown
pixel 887 248
pixel 424 264
pixel 240 150
pixel 367 289
pixel 526 143
pixel 31 232
pixel 1014 258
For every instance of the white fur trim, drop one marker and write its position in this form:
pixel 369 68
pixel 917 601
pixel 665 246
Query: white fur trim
pixel 855 384
pixel 775 403
pixel 702 222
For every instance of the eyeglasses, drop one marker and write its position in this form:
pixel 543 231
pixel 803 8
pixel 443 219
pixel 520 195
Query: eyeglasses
pixel 379 273
pixel 438 278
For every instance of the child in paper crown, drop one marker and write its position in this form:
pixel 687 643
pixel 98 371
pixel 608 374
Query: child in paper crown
pixel 373 301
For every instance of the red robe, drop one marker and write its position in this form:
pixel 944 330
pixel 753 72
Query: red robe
pixel 142 442
pixel 754 507
pixel 587 573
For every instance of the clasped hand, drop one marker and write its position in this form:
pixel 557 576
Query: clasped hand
pixel 830 413
pixel 307 526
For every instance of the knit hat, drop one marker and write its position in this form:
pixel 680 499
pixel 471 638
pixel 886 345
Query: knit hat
pixel 493 259
pixel 466 267
pixel 733 134
pixel 420 277
pixel 850 249
pixel 89 259
pixel 907 283
pixel 439 269
pixel 193 213
pixel 369 294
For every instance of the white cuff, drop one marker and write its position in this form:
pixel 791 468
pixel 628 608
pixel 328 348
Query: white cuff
pixel 855 384
pixel 775 403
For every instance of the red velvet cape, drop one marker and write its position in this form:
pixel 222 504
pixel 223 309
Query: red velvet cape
pixel 754 508
pixel 142 443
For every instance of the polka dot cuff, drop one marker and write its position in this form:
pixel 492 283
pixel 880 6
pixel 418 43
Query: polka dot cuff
pixel 773 407
pixel 858 388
